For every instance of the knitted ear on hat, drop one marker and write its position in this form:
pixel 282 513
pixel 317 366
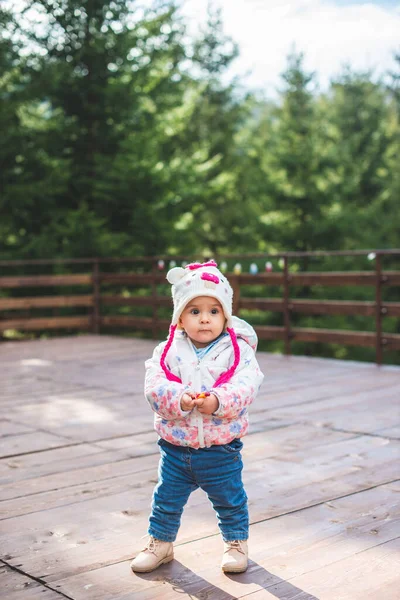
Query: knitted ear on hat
pixel 175 274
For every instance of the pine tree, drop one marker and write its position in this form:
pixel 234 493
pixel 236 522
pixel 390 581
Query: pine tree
pixel 100 75
pixel 361 141
pixel 295 166
pixel 214 213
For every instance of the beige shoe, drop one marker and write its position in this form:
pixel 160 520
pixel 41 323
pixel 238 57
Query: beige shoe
pixel 235 557
pixel 155 553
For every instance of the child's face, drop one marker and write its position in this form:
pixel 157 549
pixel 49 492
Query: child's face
pixel 203 320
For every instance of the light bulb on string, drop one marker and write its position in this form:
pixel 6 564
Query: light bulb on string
pixel 253 269
pixel 268 266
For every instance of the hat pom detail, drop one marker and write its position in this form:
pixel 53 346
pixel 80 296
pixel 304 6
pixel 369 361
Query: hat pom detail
pixel 174 275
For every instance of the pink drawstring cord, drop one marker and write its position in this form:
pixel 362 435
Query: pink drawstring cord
pixel 170 376
pixel 230 372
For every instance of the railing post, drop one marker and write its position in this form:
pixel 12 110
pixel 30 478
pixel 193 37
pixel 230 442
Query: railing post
pixel 96 297
pixel 286 311
pixel 234 281
pixel 378 309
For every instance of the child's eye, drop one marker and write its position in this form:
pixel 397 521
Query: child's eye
pixel 194 311
pixel 214 311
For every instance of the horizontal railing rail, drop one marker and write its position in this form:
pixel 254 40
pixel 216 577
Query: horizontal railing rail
pixel 97 296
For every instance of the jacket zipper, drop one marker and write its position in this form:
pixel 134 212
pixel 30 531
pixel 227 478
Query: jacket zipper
pixel 199 416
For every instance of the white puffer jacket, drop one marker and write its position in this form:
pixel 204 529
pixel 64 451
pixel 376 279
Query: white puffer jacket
pixel 191 428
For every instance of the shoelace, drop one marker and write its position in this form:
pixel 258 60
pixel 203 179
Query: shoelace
pixel 151 545
pixel 235 545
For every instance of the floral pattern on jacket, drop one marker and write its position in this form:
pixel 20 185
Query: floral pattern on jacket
pixel 230 420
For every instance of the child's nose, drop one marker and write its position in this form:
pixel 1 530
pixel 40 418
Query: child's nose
pixel 204 317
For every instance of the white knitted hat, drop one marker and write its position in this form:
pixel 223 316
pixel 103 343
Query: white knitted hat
pixel 199 280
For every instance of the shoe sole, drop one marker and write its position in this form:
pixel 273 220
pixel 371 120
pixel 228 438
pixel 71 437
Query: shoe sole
pixel 231 570
pixel 162 562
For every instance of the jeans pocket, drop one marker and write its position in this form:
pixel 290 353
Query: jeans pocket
pixel 234 446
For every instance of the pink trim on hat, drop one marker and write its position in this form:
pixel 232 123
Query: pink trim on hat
pixel 193 266
pixel 209 277
pixel 170 376
pixel 225 377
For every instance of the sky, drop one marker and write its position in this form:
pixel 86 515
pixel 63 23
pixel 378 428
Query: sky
pixel 331 33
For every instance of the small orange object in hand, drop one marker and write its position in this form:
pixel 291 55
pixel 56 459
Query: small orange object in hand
pixel 203 395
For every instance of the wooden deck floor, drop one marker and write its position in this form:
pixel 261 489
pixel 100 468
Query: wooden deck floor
pixel 79 462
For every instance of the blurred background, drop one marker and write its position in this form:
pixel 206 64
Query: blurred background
pixel 136 128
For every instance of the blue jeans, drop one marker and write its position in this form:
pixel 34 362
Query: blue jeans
pixel 216 470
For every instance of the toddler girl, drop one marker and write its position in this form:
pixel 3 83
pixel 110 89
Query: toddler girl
pixel 200 383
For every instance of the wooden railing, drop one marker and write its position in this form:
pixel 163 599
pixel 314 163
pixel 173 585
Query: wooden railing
pixel 97 282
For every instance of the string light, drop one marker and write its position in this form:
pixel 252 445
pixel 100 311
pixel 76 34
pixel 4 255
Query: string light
pixel 268 266
pixel 253 269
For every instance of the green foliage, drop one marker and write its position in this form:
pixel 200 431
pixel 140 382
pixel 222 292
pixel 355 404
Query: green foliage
pixel 296 168
pixel 121 137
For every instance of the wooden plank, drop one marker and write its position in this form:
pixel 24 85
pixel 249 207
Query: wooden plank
pixel 16 586
pixel 281 550
pixel 91 347
pixel 331 336
pixel 275 487
pixel 44 280
pixel 319 491
pixel 109 464
pixel 328 336
pixel 46 323
pixel 364 412
pixel 30 442
pixel 14 471
pixel 144 445
pixel 130 278
pixel 270 332
pixel 113 300
pixel 390 278
pixel 133 322
pixel 79 486
pixel 311 278
pixel 316 307
pixel 45 302
pixel 332 387
pixel 10 428
pixel 321 307
pixel 369 575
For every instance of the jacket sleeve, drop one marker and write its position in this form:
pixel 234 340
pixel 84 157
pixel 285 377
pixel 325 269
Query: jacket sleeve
pixel 164 396
pixel 237 394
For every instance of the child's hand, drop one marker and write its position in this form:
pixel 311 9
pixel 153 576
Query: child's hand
pixel 207 405
pixel 187 401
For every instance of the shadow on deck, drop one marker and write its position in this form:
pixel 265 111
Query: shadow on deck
pixel 79 462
